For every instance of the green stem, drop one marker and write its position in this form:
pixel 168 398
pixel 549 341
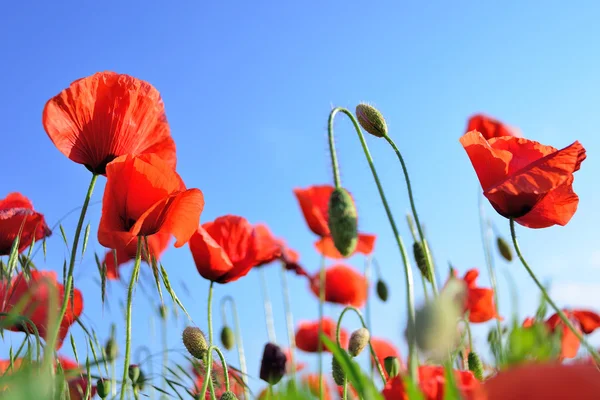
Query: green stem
pixel 207 375
pixel 51 339
pixel 560 313
pixel 224 365
pixel 268 307
pixel 289 319
pixel 345 392
pixel 428 259
pixel 165 360
pixel 410 297
pixel 368 273
pixel 134 276
pixel 238 339
pixel 322 283
pixel 210 339
pixel 470 336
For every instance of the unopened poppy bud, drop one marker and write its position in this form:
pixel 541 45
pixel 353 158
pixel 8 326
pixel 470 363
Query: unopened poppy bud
pixel 475 365
pixel 134 373
pixel 228 396
pixel 421 261
pixel 382 290
pixel 337 372
pixel 358 341
pixel 227 338
pixel 103 388
pixel 392 366
pixel 195 342
pixel 163 311
pixel 111 350
pixel 343 221
pixel 504 249
pixel 371 120
pixel 272 366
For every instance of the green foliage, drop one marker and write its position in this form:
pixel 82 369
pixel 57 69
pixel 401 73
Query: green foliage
pixel 534 343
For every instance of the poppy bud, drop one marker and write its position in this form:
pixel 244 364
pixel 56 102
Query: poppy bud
pixel 358 341
pixel 228 396
pixel 475 365
pixel 227 338
pixel 421 261
pixel 337 372
pixel 392 366
pixel 111 350
pixel 343 221
pixel 195 342
pixel 272 366
pixel 504 249
pixel 103 388
pixel 382 290
pixel 162 311
pixel 371 120
pixel 134 373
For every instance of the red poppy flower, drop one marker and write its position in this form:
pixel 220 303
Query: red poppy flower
pixel 384 349
pixel 311 381
pixel 432 381
pixel 479 302
pixel 268 248
pixel 314 202
pixel 490 127
pixel 526 180
pixel 37 291
pixel 16 211
pixel 307 335
pixel 343 285
pixel 544 382
pixel 218 375
pixel 157 244
pixel 144 196
pixel 107 115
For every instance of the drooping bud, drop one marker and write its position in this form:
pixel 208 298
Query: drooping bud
pixel 421 260
pixel 371 120
pixel 392 366
pixel 358 341
pixel 103 388
pixel 272 366
pixel 134 373
pixel 228 396
pixel 337 372
pixel 195 342
pixel 382 290
pixel 475 365
pixel 227 338
pixel 504 249
pixel 343 221
pixel 163 311
pixel 141 382
pixel 111 350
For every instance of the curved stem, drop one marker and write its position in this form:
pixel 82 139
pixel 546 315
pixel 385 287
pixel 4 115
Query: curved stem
pixel 410 297
pixel 207 375
pixel 289 320
pixel 238 339
pixel 428 259
pixel 560 313
pixel 268 306
pixel 51 340
pixel 134 276
pixel 322 283
pixel 223 364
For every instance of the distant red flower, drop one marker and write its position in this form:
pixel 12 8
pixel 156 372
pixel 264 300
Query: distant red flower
pixel 144 196
pixel 307 335
pixel 544 382
pixel 218 374
pixel 268 248
pixel 157 244
pixel 37 291
pixel 526 180
pixel 490 127
pixel 107 115
pixel 314 202
pixel 343 285
pixel 311 381
pixel 432 381
pixel 383 348
pixel 479 302
pixel 15 211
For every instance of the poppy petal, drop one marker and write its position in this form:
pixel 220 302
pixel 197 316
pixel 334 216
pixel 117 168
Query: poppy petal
pixel 589 321
pixel 556 208
pixel 326 247
pixel 314 203
pixel 212 262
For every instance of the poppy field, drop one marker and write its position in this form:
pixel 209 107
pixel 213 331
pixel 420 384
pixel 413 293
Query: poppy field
pixel 115 126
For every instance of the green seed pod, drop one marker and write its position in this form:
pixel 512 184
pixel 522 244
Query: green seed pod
pixel 371 120
pixel 227 338
pixel 358 341
pixel 382 290
pixel 111 350
pixel 103 388
pixel 421 260
pixel 475 365
pixel 228 396
pixel 343 221
pixel 504 249
pixel 141 381
pixel 337 372
pixel 134 373
pixel 392 366
pixel 195 342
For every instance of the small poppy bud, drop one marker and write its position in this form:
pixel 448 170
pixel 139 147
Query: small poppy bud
pixel 382 290
pixel 134 373
pixel 163 311
pixel 195 342
pixel 228 396
pixel 343 221
pixel 103 388
pixel 504 249
pixel 392 366
pixel 475 365
pixel 337 372
pixel 421 261
pixel 227 338
pixel 111 350
pixel 272 366
pixel 358 341
pixel 371 120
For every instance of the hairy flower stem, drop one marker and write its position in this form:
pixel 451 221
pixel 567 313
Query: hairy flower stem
pixel 51 340
pixel 289 319
pixel 410 297
pixel 322 283
pixel 368 273
pixel 134 277
pixel 238 340
pixel 560 313
pixel 268 306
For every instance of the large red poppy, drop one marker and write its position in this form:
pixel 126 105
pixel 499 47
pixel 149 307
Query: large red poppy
pixel 314 202
pixel 343 285
pixel 268 248
pixel 16 211
pixel 107 115
pixel 526 180
pixel 307 335
pixel 144 196
pixel 479 302
pixel 490 127
pixel 37 291
pixel 383 349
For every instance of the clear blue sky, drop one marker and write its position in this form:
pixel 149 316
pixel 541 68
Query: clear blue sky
pixel 248 88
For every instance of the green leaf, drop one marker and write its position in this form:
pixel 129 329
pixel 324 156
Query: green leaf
pixel 86 236
pixel 174 297
pixel 64 235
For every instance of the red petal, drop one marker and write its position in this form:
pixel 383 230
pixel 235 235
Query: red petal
pixel 211 259
pixel 314 202
pixel 556 208
pixel 589 321
pixel 490 127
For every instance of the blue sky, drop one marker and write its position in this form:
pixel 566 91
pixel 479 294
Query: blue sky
pixel 248 88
